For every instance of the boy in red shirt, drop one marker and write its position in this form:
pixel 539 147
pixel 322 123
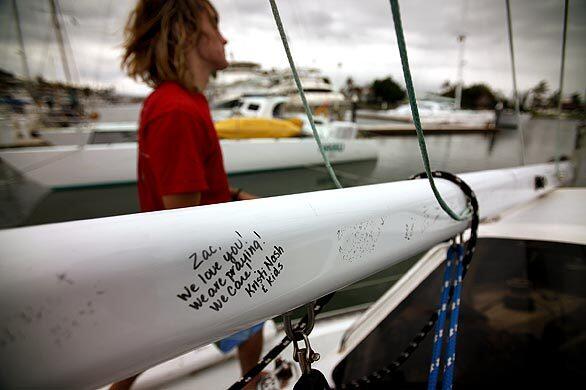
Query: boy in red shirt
pixel 174 46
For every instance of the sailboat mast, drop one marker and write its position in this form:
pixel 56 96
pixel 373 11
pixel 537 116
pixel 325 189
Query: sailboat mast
pixel 59 34
pixel 23 57
pixel 461 62
pixel 515 90
pixel 561 88
pixel 461 42
pixel 563 59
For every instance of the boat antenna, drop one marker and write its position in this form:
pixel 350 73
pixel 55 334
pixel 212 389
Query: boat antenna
pixel 461 62
pixel 561 90
pixel 67 41
pixel 22 51
pixel 515 90
pixel 60 41
pixel 45 56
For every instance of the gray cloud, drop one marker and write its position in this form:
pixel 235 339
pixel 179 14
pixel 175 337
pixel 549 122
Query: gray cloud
pixel 343 37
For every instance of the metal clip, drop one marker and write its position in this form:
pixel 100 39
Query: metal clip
pixel 454 241
pixel 304 356
pixel 293 334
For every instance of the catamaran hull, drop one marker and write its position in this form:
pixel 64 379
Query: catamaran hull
pixel 88 302
pixel 91 165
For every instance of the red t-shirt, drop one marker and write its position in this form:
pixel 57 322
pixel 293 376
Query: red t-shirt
pixel 178 149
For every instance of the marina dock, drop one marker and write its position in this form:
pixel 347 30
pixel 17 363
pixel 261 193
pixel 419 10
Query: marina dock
pixel 22 143
pixel 391 129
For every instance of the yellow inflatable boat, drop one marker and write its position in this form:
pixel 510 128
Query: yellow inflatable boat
pixel 244 127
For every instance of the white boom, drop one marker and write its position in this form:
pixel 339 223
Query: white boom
pixel 88 302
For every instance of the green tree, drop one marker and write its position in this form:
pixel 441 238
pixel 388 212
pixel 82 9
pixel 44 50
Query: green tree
pixel 553 99
pixel 448 89
pixel 474 97
pixel 388 91
pixel 539 92
pixel 478 96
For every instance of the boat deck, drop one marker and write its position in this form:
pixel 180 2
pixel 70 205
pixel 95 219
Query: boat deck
pixel 560 216
pixel 393 129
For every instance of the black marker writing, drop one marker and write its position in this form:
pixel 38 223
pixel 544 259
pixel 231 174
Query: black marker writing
pixel 209 273
pixel 195 263
pixel 245 266
pixel 219 303
pixel 187 295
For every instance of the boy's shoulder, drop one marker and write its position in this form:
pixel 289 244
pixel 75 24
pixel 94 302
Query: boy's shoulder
pixel 170 97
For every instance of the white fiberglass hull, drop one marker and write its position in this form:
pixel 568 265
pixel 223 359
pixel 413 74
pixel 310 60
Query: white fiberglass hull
pixel 88 302
pixel 81 135
pixel 90 165
pixel 465 117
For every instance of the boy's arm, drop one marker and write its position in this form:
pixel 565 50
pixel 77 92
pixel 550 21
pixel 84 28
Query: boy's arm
pixel 177 201
pixel 238 194
pixel 191 199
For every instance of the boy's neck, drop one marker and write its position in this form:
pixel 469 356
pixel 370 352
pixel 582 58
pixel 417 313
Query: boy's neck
pixel 200 70
pixel 201 78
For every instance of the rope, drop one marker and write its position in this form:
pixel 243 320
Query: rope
pixel 277 349
pixel 560 94
pixel 415 113
pixel 390 369
pixel 453 330
pixel 412 100
pixel 302 94
pixel 441 320
pixel 515 91
pixel 419 337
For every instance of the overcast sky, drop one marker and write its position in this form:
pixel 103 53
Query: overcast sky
pixel 341 37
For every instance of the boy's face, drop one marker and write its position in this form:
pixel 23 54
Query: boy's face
pixel 210 45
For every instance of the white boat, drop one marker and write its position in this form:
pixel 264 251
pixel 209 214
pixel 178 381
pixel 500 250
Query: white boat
pixel 244 80
pixel 122 294
pixel 317 88
pixel 237 80
pixel 432 112
pixel 90 133
pixel 260 106
pixel 105 153
pixel 69 166
pixel 276 107
pixel 251 107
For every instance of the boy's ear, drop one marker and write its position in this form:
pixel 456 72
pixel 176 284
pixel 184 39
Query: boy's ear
pixel 192 39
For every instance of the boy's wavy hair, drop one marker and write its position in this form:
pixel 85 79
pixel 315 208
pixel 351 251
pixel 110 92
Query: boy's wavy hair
pixel 158 35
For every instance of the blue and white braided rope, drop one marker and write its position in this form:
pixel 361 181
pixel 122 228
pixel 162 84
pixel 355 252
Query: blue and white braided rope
pixel 454 260
pixel 453 330
pixel 441 319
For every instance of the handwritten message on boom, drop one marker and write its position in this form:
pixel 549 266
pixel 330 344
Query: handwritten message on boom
pixel 247 266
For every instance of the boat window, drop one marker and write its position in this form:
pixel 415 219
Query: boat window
pixel 279 110
pixel 113 137
pixel 522 321
pixel 227 105
pixel 253 107
pixel 316 90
